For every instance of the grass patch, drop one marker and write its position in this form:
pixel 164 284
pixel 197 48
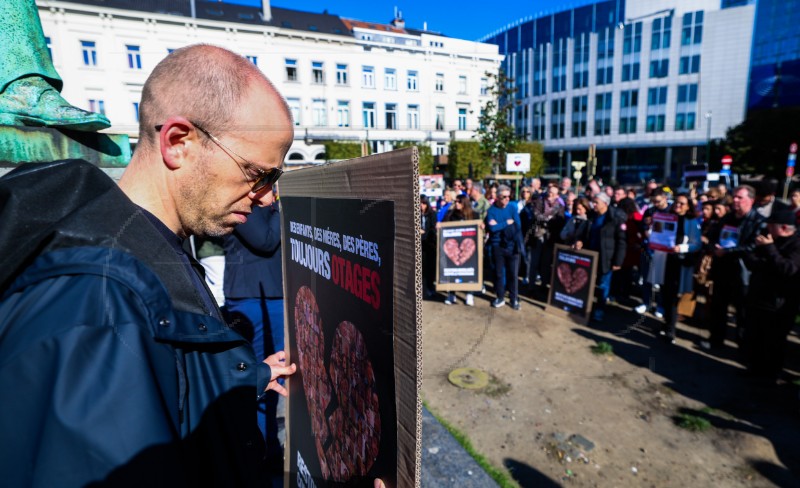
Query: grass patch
pixel 602 348
pixel 500 476
pixel 694 423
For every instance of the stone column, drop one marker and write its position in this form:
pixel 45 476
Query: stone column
pixel 667 163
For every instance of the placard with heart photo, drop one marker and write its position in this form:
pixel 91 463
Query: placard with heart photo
pixel 339 263
pixel 572 283
pixel 460 256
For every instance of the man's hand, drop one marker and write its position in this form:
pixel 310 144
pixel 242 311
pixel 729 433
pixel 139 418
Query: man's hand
pixel 510 221
pixel 277 363
pixel 616 268
pixel 764 240
pixel 578 245
pixel 493 222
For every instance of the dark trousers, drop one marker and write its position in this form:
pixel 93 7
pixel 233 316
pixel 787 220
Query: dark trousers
pixel 669 295
pixel 505 267
pixel 726 292
pixel 765 338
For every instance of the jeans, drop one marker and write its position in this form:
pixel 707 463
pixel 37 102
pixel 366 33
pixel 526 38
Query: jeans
pixel 261 321
pixel 506 266
pixel 603 289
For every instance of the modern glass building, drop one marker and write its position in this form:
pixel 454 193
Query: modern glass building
pixel 775 61
pixel 648 83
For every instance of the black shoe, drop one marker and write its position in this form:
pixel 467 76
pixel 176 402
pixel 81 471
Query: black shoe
pixel 515 305
pixel 499 302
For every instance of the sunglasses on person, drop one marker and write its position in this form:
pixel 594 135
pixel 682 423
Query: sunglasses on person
pixel 504 196
pixel 261 180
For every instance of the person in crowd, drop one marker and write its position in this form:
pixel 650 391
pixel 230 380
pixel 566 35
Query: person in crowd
pixel 550 217
pixel 536 187
pixel 736 238
pixel 607 237
pixel 680 266
pixel 565 186
pixel 491 194
pixel 794 205
pixel 569 200
pixel 623 279
pixel 505 239
pixel 631 193
pixel 658 203
pixel 773 295
pixel 643 200
pixel 479 203
pixel 458 187
pixel 765 197
pixel 122 367
pixel 721 209
pixel 619 194
pixel 524 198
pixel 532 239
pixel 210 253
pixel 253 287
pixel 707 221
pixel 449 198
pixel 468 186
pixel 609 190
pixel 461 210
pixel 427 232
pixel 577 227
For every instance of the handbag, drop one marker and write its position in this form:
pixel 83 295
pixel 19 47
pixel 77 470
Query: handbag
pixel 686 304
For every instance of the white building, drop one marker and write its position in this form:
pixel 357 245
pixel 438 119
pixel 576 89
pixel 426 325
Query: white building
pixel 648 82
pixel 344 79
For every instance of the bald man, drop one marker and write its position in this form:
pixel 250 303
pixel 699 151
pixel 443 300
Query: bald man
pixel 116 364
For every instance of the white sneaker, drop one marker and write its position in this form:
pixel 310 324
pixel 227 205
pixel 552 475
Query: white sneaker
pixel 641 309
pixel 447 301
pixel 470 301
pixel 659 314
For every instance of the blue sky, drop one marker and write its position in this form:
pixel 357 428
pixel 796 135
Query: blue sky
pixel 468 19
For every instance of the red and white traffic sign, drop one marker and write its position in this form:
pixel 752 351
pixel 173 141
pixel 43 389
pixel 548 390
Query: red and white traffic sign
pixel 727 160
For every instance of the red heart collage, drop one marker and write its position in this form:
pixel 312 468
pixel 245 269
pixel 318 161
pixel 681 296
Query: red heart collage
pixel 572 280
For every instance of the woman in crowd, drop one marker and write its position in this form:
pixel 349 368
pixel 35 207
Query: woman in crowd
pixel 679 269
pixel 460 210
pixel 578 226
pixel 623 279
pixel 428 233
pixel 794 199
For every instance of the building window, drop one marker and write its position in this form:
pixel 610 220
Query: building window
pixel 413 116
pixel 412 81
pixel 317 72
pixel 559 83
pixel 294 108
pixel 368 111
pixel 391 116
pixel 136 111
pixel 686 107
pixel 689 65
pixel 557 116
pixel 291 70
pixel 579 107
pixel 49 45
pixel 89 50
pixel 390 79
pixel 439 84
pixel 462 85
pixel 605 56
pixel 341 74
pixel 656 109
pixel 97 106
pixel 662 32
pixel 580 70
pixel 540 70
pixel 462 118
pixel 539 121
pixel 318 113
pixel 484 86
pixel 630 71
pixel 439 123
pixel 632 38
pixel 692 31
pixel 602 114
pixel 368 77
pixel 659 68
pixel 252 59
pixel 343 113
pixel 628 106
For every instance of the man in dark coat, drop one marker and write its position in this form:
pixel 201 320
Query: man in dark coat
pixel 773 295
pixel 115 363
pixel 606 235
pixel 735 238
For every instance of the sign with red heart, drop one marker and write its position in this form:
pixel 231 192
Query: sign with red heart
pixel 460 257
pixel 572 282
pixel 518 162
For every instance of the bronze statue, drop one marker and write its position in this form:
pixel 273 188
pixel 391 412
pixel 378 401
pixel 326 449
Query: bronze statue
pixel 29 85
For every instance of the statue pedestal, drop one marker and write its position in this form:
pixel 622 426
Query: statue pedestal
pixel 110 152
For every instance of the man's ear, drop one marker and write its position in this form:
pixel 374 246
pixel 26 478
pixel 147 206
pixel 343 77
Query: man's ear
pixel 176 137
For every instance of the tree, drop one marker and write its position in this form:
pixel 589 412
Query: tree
pixel 464 154
pixel 760 144
pixel 335 150
pixel 425 155
pixel 496 134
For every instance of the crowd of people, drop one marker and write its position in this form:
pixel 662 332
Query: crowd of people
pixel 737 248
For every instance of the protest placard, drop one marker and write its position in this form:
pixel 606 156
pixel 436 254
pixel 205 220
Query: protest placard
pixel 459 256
pixel 664 232
pixel 572 283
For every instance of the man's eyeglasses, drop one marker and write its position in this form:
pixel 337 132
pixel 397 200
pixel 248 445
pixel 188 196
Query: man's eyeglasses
pixel 504 196
pixel 261 180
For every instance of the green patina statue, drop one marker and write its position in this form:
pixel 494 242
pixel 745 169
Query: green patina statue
pixel 29 85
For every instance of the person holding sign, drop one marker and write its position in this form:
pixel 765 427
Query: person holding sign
pixel 679 270
pixel 459 211
pixel 736 238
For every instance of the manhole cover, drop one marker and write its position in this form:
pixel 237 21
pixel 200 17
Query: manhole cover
pixel 469 378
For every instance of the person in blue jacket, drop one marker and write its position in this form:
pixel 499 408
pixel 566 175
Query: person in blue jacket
pixel 254 302
pixel 116 367
pixel 505 239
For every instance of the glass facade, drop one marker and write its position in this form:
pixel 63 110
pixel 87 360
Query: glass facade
pixel 775 60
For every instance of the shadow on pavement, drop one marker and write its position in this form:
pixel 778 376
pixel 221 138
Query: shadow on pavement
pixel 527 476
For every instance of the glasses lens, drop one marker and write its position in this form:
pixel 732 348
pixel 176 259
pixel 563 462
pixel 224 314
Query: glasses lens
pixel 267 179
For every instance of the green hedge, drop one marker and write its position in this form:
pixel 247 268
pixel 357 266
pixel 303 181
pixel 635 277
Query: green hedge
pixel 462 153
pixel 425 155
pixel 335 150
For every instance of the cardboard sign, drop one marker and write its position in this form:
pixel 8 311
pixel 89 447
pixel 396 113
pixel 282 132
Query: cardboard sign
pixel 459 256
pixel 431 185
pixel 572 283
pixel 351 283
pixel 664 232
pixel 729 236
pixel 518 162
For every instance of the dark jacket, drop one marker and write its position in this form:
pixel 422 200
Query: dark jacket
pixel 612 240
pixel 253 256
pixel 730 268
pixel 120 374
pixel 775 281
pixel 428 222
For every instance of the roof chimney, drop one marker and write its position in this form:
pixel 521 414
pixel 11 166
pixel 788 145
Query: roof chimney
pixel 398 19
pixel 266 11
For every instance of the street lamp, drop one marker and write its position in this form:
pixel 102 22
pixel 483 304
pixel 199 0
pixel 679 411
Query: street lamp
pixel 708 137
pixel 560 158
